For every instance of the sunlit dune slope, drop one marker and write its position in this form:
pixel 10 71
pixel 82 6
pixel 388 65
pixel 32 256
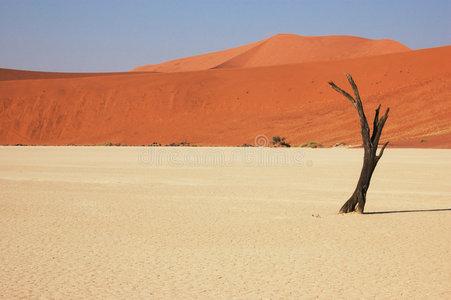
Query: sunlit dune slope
pixel 232 106
pixel 282 49
pixel 198 62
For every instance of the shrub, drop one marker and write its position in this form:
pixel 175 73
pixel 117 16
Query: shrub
pixel 339 145
pixel 278 141
pixel 312 145
pixel 179 144
pixel 284 144
pixel 108 144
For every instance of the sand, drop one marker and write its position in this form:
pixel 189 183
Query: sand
pixel 229 107
pixel 227 223
pixel 281 49
pixel 11 74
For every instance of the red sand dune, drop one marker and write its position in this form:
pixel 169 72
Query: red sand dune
pixel 282 49
pixel 232 106
pixel 9 74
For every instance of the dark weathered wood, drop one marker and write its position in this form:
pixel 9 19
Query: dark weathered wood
pixel 370 143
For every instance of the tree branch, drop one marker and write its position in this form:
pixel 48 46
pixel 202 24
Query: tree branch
pixel 344 93
pixel 359 107
pixel 354 86
pixel 375 123
pixel 384 117
pixel 380 126
pixel 381 152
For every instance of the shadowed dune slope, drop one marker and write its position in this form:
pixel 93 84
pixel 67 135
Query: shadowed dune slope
pixel 232 106
pixel 282 49
pixel 11 74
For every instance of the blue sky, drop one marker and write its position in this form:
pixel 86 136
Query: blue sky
pixel 117 35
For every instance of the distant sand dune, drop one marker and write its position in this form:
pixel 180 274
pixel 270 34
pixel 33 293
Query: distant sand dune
pixel 199 62
pixel 9 74
pixel 282 49
pixel 232 106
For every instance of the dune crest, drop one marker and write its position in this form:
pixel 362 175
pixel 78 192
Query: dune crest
pixel 198 62
pixel 282 49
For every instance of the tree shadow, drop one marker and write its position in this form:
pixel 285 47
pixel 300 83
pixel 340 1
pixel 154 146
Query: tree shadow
pixel 405 211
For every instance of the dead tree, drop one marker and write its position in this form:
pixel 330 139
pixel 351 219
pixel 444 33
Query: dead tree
pixel 370 143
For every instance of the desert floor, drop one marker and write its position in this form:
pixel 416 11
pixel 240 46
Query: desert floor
pixel 246 223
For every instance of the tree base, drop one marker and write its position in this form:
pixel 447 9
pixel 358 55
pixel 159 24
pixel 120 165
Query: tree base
pixel 352 205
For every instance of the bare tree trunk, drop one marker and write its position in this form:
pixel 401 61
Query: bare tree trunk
pixel 370 143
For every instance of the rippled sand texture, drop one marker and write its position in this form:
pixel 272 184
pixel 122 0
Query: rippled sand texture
pixel 244 223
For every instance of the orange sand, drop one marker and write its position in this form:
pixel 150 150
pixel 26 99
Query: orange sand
pixel 232 106
pixel 282 49
pixel 8 74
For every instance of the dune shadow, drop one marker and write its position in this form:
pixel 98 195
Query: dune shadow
pixel 405 211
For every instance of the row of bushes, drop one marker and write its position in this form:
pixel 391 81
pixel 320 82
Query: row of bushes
pixel 276 142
